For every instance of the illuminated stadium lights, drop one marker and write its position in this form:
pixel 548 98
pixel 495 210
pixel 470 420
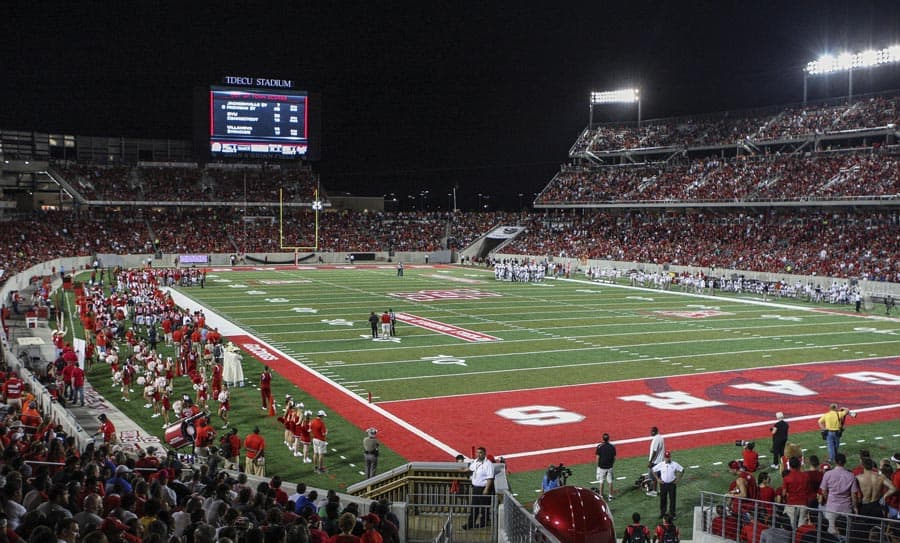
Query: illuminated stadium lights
pixel 869 58
pixel 847 62
pixel 621 96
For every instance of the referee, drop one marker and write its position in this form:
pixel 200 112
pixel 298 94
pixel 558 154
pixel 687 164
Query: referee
pixel 667 474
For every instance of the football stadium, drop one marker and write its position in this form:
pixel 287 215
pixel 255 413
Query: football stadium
pixel 685 331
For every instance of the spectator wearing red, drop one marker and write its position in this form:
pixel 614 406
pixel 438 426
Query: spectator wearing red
pixel 13 389
pixel 108 429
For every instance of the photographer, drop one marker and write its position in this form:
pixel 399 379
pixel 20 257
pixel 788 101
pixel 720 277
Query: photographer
pixel 555 477
pixel 832 426
pixel 749 457
pixel 551 479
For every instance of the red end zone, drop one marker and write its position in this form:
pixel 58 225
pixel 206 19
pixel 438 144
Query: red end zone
pixel 532 428
pixel 535 427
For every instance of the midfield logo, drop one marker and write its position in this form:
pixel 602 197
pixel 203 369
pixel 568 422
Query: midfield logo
pixel 435 295
pixel 698 314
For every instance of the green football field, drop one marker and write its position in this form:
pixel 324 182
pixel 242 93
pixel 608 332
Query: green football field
pixel 559 332
pixel 536 371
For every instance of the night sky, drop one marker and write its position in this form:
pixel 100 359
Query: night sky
pixel 426 95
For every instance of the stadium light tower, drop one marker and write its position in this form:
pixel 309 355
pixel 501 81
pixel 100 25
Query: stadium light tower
pixel 621 96
pixel 847 62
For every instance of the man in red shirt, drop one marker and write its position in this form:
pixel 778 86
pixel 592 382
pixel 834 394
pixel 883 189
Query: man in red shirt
pixel 255 446
pixel 205 434
pixel 794 489
pixel 320 440
pixel 77 384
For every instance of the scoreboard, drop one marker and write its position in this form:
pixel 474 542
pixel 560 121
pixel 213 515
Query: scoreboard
pixel 257 121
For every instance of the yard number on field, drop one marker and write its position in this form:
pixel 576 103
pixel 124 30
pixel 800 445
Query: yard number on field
pixel 540 415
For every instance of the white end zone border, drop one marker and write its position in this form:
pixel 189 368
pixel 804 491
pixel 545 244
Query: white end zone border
pixel 228 328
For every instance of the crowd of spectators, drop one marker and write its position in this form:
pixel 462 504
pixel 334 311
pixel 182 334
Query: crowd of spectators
pixel 812 242
pixel 50 491
pixel 115 492
pixel 746 179
pixel 730 128
pixel 802 241
pixel 190 184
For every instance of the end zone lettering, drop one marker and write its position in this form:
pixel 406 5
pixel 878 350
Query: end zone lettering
pixel 454 294
pixel 259 351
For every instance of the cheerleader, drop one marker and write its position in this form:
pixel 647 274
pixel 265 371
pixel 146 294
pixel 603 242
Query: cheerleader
pixel 146 381
pixel 164 406
pixel 288 419
pixel 202 393
pixel 305 435
pixel 169 368
pixel 224 404
pixel 127 378
pixel 295 437
pixel 159 388
pixel 216 379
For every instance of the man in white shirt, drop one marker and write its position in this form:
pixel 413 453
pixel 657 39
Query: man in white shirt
pixel 657 448
pixel 482 488
pixel 667 474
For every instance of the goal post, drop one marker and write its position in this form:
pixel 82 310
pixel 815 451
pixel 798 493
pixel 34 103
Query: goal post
pixel 316 206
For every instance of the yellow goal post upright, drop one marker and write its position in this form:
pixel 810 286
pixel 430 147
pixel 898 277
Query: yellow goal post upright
pixel 316 206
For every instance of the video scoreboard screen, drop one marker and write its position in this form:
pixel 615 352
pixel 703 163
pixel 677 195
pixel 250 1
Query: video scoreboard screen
pixel 251 121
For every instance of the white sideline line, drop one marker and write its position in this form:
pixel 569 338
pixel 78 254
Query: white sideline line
pixel 226 328
pixel 767 422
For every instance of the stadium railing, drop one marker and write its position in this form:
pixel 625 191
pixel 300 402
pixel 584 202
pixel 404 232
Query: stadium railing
pixel 737 513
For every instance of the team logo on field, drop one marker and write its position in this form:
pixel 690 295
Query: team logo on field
pixel 436 295
pixel 698 314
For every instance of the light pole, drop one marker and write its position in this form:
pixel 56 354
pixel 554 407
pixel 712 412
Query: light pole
pixel 847 62
pixel 621 96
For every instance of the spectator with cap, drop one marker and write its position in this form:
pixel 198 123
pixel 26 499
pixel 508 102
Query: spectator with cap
pixel 121 479
pixel 667 474
pixel 320 440
pixel 370 527
pixel 370 451
pixel 832 426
